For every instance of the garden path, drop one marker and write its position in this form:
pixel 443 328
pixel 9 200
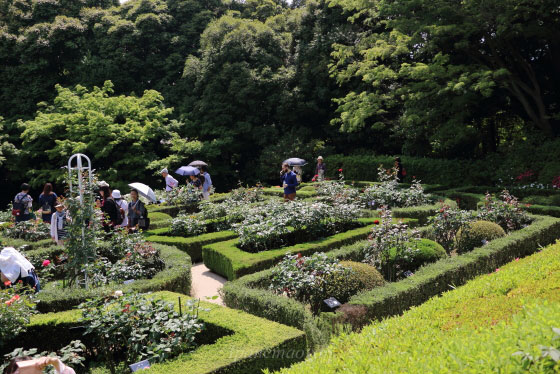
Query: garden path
pixel 206 284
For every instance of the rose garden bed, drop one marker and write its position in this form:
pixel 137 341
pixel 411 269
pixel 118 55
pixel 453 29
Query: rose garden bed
pixel 247 293
pixel 231 342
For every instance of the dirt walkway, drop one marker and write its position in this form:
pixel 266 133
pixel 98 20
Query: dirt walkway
pixel 206 284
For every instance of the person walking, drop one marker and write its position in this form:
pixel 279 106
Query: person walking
pixel 170 182
pixel 23 204
pixel 207 183
pixel 14 267
pixel 47 201
pixel 289 182
pixel 122 205
pixel 320 169
pixel 59 221
pixel 136 210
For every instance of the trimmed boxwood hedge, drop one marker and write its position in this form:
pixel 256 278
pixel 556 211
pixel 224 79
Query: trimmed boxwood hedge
pixel 234 342
pixel 192 245
pixel 278 191
pixel 436 278
pixel 175 277
pixel 226 259
pixel 30 245
pixel 250 294
pixel 473 329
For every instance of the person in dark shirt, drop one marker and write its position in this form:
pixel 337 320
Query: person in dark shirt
pixel 400 169
pixel 289 182
pixel 47 201
pixel 109 209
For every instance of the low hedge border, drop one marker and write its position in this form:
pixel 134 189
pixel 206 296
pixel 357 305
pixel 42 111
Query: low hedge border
pixel 192 245
pixel 473 329
pixel 394 298
pixel 226 259
pixel 242 343
pixel 277 191
pixel 436 278
pixel 30 245
pixel 172 210
pixel 175 277
pixel 249 294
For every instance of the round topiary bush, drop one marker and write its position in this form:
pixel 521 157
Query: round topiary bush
pixel 476 234
pixel 361 277
pixel 427 251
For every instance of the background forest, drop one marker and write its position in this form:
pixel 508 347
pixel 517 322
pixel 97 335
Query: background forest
pixel 243 85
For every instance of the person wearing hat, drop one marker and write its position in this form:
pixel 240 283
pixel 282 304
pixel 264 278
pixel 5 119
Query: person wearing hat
pixel 320 169
pixel 170 182
pixel 122 205
pixel 14 267
pixel 59 219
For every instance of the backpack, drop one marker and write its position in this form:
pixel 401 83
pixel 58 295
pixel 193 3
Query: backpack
pixel 19 207
pixel 112 210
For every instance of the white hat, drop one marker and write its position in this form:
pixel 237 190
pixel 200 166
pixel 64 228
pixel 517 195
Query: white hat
pixel 59 204
pixel 116 194
pixel 164 170
pixel 13 264
pixel 103 184
pixel 320 158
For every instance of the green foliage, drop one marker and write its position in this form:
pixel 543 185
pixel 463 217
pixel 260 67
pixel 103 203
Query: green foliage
pixel 226 259
pixel 253 341
pixel 506 212
pixel 187 225
pixel 175 277
pixel 119 130
pixel 136 328
pixel 476 234
pixel 31 231
pixel 360 277
pixel 15 310
pixel 480 326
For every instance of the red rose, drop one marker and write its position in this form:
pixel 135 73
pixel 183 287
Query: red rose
pixel 46 263
pixel 7 283
pixel 299 255
pixel 376 222
pixel 339 169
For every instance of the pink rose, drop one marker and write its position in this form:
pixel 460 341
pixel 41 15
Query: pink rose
pixel 46 263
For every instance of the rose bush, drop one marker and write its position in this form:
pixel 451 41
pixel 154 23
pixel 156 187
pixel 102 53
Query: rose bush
pixel 28 230
pixel 16 307
pixel 187 225
pixel 135 327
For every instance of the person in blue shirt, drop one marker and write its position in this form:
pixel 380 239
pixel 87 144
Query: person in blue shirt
pixel 289 182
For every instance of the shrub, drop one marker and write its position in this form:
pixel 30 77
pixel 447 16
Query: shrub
pixel 446 223
pixel 506 212
pixel 389 193
pixel 426 251
pixel 477 234
pixel 361 277
pixel 137 328
pixel 389 243
pixel 187 225
pixel 15 310
pixel 28 230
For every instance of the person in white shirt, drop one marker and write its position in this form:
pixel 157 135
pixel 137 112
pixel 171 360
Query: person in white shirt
pixel 170 182
pixel 122 205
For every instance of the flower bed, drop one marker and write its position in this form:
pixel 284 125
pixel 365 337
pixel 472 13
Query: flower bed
pixel 175 276
pixel 227 259
pixel 505 321
pixel 233 341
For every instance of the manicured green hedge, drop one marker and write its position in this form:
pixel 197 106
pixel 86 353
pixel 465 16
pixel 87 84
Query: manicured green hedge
pixel 175 277
pixel 250 293
pixel 422 212
pixel 277 191
pixel 193 245
pixel 553 211
pixel 171 210
pixel 476 328
pixel 159 220
pixel 234 342
pixel 226 259
pixel 17 243
pixel 433 279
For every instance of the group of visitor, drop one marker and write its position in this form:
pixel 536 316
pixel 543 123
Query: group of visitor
pixel 200 181
pixel 119 213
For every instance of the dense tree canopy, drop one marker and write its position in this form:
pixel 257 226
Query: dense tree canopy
pixel 256 81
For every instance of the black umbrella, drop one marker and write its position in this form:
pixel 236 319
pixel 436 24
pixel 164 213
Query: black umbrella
pixel 198 163
pixel 294 161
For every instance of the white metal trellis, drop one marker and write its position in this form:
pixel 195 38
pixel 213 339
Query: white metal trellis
pixel 80 169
